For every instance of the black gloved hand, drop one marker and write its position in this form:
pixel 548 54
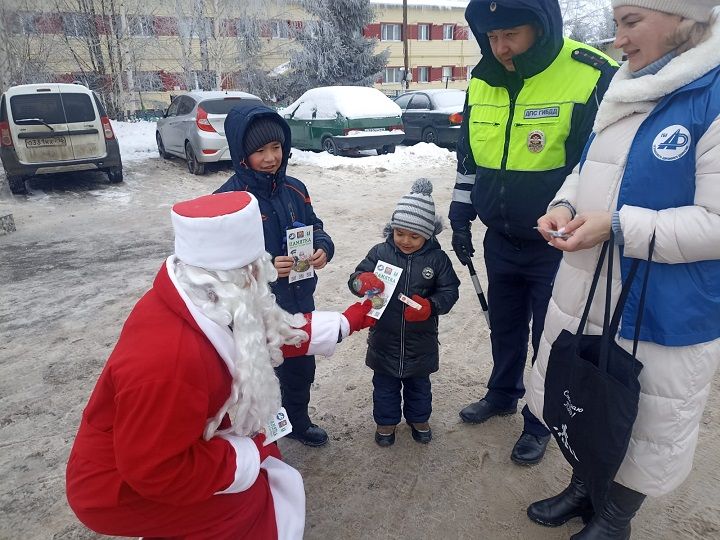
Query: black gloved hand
pixel 462 242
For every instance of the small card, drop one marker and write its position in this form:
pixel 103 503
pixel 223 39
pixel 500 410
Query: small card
pixel 409 301
pixel 300 248
pixel 278 427
pixel 389 275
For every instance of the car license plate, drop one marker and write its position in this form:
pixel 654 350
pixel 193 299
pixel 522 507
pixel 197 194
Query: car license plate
pixel 45 141
pixel 374 129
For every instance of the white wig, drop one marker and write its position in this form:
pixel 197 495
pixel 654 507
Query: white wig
pixel 242 300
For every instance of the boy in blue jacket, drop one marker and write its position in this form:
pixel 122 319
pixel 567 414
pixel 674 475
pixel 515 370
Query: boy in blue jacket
pixel 259 142
pixel 403 347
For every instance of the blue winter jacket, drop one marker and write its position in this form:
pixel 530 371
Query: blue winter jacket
pixel 284 204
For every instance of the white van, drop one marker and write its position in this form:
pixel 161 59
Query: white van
pixel 54 127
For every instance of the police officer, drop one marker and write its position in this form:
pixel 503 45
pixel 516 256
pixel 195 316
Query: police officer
pixel 529 111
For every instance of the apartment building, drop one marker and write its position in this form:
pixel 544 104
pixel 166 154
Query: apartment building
pixel 148 49
pixel 441 48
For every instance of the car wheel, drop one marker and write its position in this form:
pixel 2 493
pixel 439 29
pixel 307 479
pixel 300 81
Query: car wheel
pixel 380 151
pixel 429 135
pixel 389 149
pixel 329 146
pixel 17 185
pixel 161 147
pixel 193 165
pixel 115 175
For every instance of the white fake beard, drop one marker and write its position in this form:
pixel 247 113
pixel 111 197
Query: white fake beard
pixel 242 298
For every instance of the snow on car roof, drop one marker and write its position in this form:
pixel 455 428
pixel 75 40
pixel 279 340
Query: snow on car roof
pixel 350 101
pixel 447 4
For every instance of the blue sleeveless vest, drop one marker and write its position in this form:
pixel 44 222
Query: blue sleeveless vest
pixel 683 300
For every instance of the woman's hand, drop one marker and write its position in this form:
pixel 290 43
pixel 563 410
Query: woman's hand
pixel 283 265
pixel 554 220
pixel 586 230
pixel 318 259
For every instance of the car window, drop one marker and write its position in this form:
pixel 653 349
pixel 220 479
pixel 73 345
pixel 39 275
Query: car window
pixel 450 99
pixel 173 108
pixel 305 111
pixel 186 105
pixel 99 105
pixel 403 101
pixel 47 107
pixel 223 106
pixel 78 107
pixel 3 110
pixel 419 101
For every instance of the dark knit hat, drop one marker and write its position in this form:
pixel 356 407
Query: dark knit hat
pixel 499 17
pixel 416 211
pixel 261 132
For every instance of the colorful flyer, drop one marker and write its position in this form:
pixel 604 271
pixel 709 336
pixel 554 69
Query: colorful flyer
pixel 389 275
pixel 300 248
pixel 278 427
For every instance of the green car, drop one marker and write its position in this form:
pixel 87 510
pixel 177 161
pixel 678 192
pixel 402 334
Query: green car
pixel 343 119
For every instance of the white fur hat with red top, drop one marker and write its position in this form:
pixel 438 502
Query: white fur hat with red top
pixel 222 231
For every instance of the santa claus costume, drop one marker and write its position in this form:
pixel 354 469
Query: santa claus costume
pixel 157 454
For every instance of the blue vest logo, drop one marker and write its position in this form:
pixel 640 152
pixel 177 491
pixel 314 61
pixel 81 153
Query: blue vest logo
pixel 672 143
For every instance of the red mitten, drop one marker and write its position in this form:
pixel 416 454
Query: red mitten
pixel 417 315
pixel 266 451
pixel 367 281
pixel 357 316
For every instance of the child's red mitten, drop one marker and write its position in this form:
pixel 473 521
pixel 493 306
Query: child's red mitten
pixel 417 315
pixel 367 281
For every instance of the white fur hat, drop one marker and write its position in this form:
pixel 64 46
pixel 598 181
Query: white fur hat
pixel 698 10
pixel 218 232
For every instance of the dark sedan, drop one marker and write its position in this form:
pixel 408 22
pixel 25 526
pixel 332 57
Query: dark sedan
pixel 432 116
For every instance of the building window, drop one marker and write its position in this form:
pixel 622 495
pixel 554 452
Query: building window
pixel 468 72
pixel 448 31
pixel 279 29
pixel 447 73
pixel 391 32
pixel 392 75
pixel 148 81
pixel 76 24
pixel 193 27
pixel 423 32
pixel 423 74
pixel 140 25
pixel 23 23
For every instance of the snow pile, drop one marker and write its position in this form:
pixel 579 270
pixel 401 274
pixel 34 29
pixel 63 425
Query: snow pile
pixel 405 157
pixel 136 139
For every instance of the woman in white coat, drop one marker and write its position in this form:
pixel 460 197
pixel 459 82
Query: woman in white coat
pixel 652 167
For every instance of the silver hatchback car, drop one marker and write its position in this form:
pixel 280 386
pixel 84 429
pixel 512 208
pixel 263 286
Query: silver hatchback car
pixel 193 127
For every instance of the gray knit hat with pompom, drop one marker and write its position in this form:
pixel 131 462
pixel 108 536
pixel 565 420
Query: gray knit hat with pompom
pixel 416 211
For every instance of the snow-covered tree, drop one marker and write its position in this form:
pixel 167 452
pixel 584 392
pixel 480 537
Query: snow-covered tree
pixel 332 49
pixel 588 20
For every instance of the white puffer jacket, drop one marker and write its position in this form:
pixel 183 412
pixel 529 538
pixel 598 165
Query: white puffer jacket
pixel 675 381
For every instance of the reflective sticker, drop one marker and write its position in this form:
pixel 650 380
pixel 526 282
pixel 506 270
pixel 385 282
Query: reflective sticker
pixel 536 141
pixel 427 272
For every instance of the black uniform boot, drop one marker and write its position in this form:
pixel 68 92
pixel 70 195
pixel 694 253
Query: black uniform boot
pixel 613 521
pixel 573 501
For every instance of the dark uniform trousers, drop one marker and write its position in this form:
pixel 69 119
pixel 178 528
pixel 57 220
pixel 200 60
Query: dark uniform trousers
pixel 296 375
pixel 520 280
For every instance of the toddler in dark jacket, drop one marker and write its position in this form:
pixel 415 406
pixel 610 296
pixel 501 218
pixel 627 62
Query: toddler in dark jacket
pixel 259 143
pixel 403 348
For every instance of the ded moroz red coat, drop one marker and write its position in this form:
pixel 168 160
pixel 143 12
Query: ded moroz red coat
pixel 140 465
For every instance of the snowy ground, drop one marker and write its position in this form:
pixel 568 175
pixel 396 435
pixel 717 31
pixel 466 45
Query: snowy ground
pixel 85 251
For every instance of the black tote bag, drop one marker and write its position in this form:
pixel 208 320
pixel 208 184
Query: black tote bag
pixel 592 388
